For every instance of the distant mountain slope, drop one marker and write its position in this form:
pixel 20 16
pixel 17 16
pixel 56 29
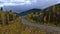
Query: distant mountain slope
pixel 17 8
pixel 29 11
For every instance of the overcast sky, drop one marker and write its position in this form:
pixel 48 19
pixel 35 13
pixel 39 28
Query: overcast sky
pixel 29 3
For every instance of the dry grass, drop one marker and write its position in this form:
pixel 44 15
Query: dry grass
pixel 16 27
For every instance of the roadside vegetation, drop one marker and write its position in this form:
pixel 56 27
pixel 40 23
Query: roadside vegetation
pixel 50 16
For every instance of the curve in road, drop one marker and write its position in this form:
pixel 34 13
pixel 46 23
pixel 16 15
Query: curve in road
pixel 24 21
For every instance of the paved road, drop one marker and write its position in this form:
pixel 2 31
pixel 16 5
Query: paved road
pixel 24 21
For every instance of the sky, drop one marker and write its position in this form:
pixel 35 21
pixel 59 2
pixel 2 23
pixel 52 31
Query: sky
pixel 16 2
pixel 28 4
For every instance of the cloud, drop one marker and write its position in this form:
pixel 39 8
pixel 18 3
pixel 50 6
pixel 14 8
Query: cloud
pixel 34 3
pixel 58 1
pixel 15 2
pixel 46 3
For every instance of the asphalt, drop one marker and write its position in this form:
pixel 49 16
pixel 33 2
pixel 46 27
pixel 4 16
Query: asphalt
pixel 24 21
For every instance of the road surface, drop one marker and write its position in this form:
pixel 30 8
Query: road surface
pixel 24 21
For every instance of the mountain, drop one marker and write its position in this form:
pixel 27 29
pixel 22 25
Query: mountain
pixel 29 11
pixel 13 8
pixel 17 8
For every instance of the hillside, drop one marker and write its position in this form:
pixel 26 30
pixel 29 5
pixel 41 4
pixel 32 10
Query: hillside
pixel 17 27
pixel 29 12
pixel 6 17
pixel 11 23
pixel 50 16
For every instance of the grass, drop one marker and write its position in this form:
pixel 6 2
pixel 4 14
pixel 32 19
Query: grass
pixel 46 24
pixel 16 27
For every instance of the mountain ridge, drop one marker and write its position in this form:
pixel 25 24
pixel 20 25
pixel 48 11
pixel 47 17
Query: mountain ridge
pixel 29 11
